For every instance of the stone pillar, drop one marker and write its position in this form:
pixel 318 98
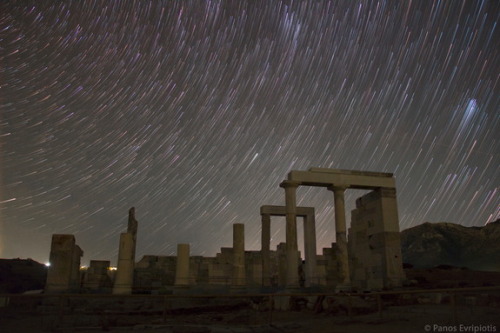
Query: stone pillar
pixel 64 269
pixel 124 276
pixel 238 255
pixel 132 225
pixel 266 248
pixel 310 250
pixel 341 236
pixel 292 250
pixel 282 264
pixel 182 267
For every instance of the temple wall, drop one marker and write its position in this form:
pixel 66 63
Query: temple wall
pixel 97 276
pixel 375 242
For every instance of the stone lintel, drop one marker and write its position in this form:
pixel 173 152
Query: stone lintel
pixel 359 180
pixel 289 183
pixel 281 210
pixel 351 172
pixel 340 188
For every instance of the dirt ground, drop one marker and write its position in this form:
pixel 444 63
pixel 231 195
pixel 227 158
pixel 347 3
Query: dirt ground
pixel 410 318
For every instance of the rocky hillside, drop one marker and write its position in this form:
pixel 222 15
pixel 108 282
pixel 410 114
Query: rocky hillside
pixel 20 275
pixel 432 244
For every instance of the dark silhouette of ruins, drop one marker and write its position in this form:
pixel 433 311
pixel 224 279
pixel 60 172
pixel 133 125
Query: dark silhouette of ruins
pixel 365 257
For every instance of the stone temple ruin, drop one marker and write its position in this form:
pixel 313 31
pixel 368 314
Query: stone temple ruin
pixel 366 257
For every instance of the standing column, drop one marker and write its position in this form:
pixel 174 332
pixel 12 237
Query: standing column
pixel 340 234
pixel 182 267
pixel 266 248
pixel 132 225
pixel 310 249
pixel 124 277
pixel 238 255
pixel 292 258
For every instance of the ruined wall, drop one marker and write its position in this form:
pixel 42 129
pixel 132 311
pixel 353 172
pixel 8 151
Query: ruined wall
pixel 64 271
pixel 375 242
pixel 97 276
pixel 157 273
pixel 154 272
pixel 330 267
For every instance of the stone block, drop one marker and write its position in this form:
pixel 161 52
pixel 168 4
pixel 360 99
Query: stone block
pixel 96 276
pixel 64 271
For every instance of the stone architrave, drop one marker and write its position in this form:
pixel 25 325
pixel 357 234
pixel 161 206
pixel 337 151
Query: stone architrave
pixel 322 177
pixel 64 271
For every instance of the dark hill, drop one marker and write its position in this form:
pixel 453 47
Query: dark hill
pixel 432 244
pixel 20 275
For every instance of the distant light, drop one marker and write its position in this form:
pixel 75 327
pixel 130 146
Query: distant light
pixel 111 268
pixel 47 264
pixel 83 267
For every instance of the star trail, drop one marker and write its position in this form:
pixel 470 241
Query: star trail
pixel 195 111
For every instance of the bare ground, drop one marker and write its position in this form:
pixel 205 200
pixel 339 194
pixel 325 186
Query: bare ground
pixel 405 318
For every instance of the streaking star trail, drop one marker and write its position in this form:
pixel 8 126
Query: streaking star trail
pixel 194 112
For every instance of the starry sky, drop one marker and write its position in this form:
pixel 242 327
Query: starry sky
pixel 195 111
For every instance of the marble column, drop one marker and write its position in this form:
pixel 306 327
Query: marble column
pixel 124 277
pixel 182 267
pixel 292 250
pixel 238 255
pixel 266 248
pixel 310 250
pixel 341 235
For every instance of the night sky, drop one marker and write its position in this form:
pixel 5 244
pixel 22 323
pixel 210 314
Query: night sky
pixel 195 111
